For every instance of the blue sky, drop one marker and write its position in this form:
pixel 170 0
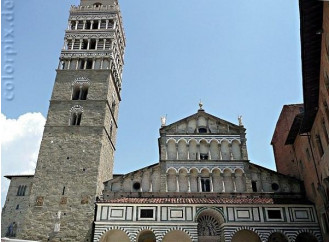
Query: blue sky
pixel 238 57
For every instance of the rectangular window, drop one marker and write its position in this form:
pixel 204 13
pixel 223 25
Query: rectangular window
pixel 254 186
pixel 146 213
pixel 274 214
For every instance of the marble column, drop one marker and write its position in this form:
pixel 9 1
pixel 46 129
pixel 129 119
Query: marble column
pixel 223 182
pixel 166 183
pixel 96 44
pixel 233 181
pixel 199 184
pixel 220 155
pixel 150 180
pixel 177 151
pixel 231 151
pixel 188 179
pixel 211 182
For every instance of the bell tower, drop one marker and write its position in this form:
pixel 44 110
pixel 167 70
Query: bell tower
pixel 77 150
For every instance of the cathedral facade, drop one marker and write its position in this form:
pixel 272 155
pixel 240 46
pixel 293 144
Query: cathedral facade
pixel 204 188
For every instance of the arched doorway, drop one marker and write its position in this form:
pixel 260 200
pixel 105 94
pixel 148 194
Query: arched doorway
pixel 176 236
pixel 277 237
pixel 115 235
pixel 209 222
pixel 146 236
pixel 245 236
pixel 303 237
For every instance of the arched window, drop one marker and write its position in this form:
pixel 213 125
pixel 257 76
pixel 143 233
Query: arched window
pixel 76 113
pixel 80 89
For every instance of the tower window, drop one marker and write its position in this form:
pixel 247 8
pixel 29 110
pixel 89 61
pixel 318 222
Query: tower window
pixel 80 25
pixel 88 25
pixel 103 24
pixel 89 64
pixel 79 93
pixel 82 64
pixel 84 44
pixel 17 206
pixel 63 191
pixel 205 182
pixel 254 186
pixel 75 118
pixel 80 90
pixel 95 24
pixel 97 5
pixel 76 113
pixel 73 25
pixel 92 45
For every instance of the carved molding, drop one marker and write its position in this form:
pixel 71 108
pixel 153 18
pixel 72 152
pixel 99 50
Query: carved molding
pixel 77 109
pixel 93 17
pixel 90 35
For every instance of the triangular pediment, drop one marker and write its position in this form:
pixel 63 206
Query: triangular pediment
pixel 198 122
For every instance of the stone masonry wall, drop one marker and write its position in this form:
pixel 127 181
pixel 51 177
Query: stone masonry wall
pixel 15 206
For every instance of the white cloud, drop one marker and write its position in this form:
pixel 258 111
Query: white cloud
pixel 20 143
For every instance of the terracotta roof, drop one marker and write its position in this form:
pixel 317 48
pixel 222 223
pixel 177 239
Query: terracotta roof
pixel 190 200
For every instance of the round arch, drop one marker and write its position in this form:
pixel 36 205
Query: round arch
pixel 277 237
pixel 305 236
pixel 146 236
pixel 209 223
pixel 176 235
pixel 115 235
pixel 245 235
